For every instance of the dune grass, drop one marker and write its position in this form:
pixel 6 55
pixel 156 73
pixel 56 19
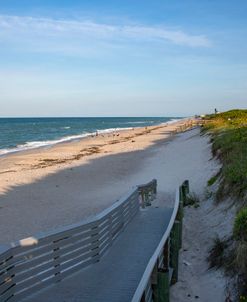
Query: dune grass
pixel 229 138
pixel 229 145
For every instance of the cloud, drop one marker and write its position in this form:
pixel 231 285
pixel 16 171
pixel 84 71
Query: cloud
pixel 174 36
pixel 82 36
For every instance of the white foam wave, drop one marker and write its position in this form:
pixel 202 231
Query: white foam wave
pixel 139 122
pixel 39 144
pixel 110 130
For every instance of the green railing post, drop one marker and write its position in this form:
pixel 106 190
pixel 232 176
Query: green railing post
pixel 174 250
pixel 155 186
pixel 179 218
pixel 184 191
pixel 163 286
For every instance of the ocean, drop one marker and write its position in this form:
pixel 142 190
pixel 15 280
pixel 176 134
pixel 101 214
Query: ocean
pixel 18 134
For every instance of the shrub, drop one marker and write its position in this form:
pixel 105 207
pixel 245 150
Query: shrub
pixel 229 141
pixel 216 254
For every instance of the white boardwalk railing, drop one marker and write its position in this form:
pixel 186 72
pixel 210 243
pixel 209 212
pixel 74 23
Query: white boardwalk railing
pixel 36 262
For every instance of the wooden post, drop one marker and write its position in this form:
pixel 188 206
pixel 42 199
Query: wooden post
pixel 174 251
pixel 154 281
pixel 155 186
pixel 143 298
pixel 162 288
pixel 166 255
pixel 187 187
pixel 184 190
pixel 179 218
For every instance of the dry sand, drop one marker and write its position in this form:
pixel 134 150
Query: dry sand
pixel 201 226
pixel 44 189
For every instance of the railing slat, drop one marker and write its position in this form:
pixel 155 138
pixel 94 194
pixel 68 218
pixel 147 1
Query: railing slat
pixel 33 263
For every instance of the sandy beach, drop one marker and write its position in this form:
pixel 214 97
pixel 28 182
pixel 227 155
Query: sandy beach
pixel 43 189
pixel 46 188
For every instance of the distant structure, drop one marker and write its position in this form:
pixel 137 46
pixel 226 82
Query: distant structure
pixel 216 111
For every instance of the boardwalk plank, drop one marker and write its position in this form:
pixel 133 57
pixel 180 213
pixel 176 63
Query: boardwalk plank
pixel 116 277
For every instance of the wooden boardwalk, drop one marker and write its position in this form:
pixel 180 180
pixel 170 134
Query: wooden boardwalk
pixel 117 275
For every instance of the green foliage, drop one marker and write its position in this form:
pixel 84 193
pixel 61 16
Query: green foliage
pixel 231 116
pixel 212 180
pixel 229 144
pixel 234 114
pixel 240 225
pixel 229 138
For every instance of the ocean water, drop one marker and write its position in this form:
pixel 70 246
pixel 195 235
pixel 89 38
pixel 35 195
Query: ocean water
pixel 17 134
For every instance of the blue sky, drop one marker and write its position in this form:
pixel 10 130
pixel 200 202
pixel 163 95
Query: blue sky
pixel 122 57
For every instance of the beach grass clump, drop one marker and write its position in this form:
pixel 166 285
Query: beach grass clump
pixel 216 257
pixel 212 180
pixel 222 255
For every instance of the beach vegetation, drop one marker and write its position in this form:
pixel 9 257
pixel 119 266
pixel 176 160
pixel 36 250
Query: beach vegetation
pixel 222 255
pixel 216 256
pixel 228 132
pixel 229 145
pixel 212 180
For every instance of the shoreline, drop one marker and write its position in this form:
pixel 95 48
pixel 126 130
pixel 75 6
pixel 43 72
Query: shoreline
pixel 33 145
pixel 74 151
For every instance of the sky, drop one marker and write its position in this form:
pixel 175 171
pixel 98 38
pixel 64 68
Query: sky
pixel 122 57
